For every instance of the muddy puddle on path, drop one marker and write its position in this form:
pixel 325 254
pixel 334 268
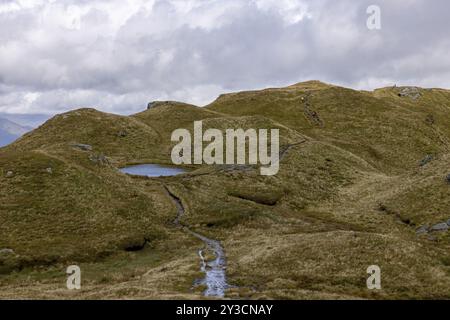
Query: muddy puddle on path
pixel 214 269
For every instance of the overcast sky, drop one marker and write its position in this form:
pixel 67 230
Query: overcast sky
pixel 119 55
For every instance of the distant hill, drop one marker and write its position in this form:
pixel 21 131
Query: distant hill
pixel 10 131
pixel 29 120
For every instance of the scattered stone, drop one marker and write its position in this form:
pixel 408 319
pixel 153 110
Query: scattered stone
pixel 430 120
pixel 313 116
pixel 49 170
pixel 448 222
pixel 428 158
pixel 439 227
pixel 150 105
pixel 9 174
pixel 422 230
pixel 122 134
pixel 448 178
pixel 6 251
pixel 99 159
pixel 81 146
pixel 410 92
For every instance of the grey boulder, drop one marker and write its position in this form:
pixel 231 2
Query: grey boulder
pixel 440 227
pixel 81 146
pixel 422 230
pixel 410 92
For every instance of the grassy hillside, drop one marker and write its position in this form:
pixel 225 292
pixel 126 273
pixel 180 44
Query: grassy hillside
pixel 393 134
pixel 360 173
pixel 123 139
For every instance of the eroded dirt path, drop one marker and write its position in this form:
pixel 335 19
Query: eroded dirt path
pixel 215 275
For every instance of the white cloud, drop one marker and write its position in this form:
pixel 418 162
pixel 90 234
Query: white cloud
pixel 292 11
pixel 118 55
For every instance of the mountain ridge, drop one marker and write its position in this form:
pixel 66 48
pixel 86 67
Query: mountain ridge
pixel 10 131
pixel 370 171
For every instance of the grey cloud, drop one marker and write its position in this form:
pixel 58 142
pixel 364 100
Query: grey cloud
pixel 164 52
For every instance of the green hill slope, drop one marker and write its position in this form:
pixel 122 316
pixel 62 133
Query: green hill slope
pixel 393 134
pixel 360 172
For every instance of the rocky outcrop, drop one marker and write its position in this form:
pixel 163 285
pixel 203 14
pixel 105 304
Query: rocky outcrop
pixel 99 159
pixel 422 230
pixel 81 146
pixel 155 104
pixel 410 92
pixel 439 227
pixel 311 114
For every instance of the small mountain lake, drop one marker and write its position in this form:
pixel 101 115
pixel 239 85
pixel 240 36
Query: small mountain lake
pixel 153 170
